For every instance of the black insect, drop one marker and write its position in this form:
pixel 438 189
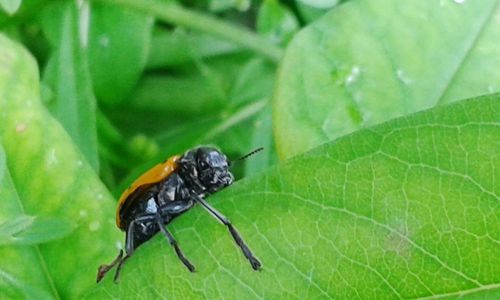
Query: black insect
pixel 168 190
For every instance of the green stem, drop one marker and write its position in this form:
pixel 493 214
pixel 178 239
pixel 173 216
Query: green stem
pixel 175 14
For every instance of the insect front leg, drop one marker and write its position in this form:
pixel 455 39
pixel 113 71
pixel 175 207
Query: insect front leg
pixel 256 265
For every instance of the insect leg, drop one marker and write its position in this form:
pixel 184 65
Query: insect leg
pixel 174 243
pixel 103 269
pixel 120 264
pixel 129 248
pixel 236 236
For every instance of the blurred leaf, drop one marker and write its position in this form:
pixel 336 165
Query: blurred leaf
pixel 15 288
pixel 276 22
pixel 51 19
pixel 30 230
pixel 262 136
pixel 171 48
pixel 222 5
pixel 321 4
pixel 254 82
pixel 310 14
pixel 68 76
pixel 180 95
pixel 118 49
pixel 52 181
pixel 185 94
pixel 407 209
pixel 366 62
pixel 10 6
pixel 175 14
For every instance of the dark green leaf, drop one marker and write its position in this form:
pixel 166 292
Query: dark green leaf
pixel 406 209
pixel 369 61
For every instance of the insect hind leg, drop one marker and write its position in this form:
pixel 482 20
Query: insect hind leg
pixel 103 269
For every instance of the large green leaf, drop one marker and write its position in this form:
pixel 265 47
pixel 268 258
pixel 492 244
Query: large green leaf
pixel 406 209
pixel 51 179
pixel 369 61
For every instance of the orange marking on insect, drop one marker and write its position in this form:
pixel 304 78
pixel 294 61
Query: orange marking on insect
pixel 153 175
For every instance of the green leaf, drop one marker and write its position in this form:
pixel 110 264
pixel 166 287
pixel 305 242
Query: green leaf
pixel 118 41
pixel 369 61
pixel 406 209
pixel 52 180
pixel 68 75
pixel 10 6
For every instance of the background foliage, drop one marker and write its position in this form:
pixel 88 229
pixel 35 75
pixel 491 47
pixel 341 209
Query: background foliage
pixel 92 93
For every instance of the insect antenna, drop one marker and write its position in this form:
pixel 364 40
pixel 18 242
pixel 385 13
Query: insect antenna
pixel 247 155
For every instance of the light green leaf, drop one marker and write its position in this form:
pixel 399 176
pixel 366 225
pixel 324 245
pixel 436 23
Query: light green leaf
pixel 369 61
pixel 51 179
pixel 406 209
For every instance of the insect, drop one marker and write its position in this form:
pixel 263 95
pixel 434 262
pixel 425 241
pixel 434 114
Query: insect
pixel 168 190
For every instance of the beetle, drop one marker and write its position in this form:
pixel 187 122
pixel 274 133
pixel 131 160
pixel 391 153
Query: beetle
pixel 165 192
